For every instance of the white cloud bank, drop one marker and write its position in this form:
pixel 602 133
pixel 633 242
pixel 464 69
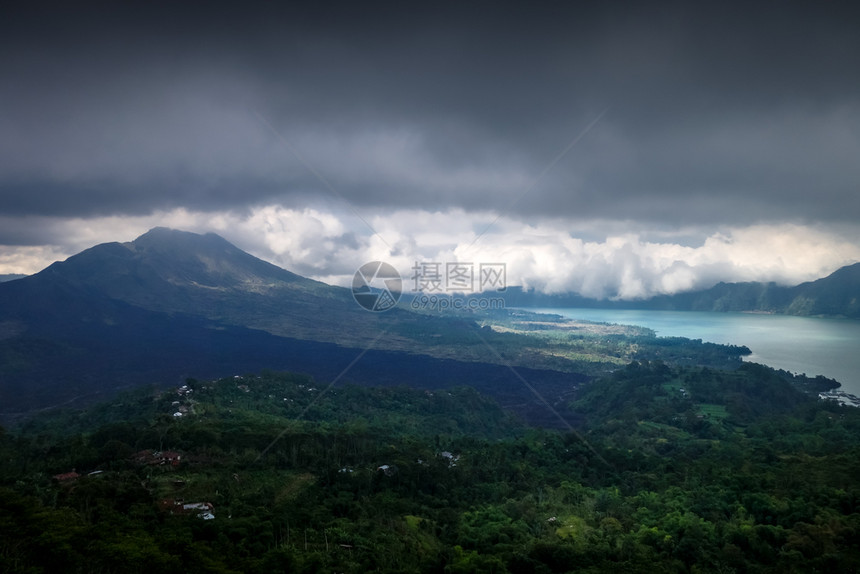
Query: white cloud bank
pixel 330 243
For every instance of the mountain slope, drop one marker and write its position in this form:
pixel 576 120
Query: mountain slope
pixel 179 272
pixel 179 258
pixel 171 305
pixel 836 294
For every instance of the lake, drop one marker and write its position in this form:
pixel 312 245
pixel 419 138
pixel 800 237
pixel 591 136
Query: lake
pixel 815 346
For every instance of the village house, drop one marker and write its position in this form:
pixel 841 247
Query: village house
pixel 67 477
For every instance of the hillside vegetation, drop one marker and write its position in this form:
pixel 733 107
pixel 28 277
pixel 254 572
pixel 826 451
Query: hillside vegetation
pixel 673 469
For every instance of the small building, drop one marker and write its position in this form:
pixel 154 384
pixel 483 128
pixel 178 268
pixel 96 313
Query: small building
pixel 450 457
pixel 157 457
pixel 176 507
pixel 387 469
pixel 204 510
pixel 169 457
pixel 67 477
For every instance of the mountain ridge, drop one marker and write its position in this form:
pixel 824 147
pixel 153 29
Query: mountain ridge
pixel 176 260
pixel 178 257
pixel 178 272
pixel 836 295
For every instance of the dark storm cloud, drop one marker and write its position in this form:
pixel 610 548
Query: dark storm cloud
pixel 724 113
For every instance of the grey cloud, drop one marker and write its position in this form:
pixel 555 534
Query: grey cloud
pixel 725 113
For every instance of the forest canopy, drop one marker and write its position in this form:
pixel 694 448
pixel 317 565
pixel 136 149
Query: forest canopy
pixel 672 468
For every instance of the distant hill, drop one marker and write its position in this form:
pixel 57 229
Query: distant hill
pixel 838 295
pixel 10 277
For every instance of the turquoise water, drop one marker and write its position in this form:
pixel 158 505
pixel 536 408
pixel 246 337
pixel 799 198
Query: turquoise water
pixel 829 347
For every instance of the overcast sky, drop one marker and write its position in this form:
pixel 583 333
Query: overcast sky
pixel 617 151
